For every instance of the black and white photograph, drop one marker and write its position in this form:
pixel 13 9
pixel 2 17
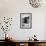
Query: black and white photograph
pixel 26 20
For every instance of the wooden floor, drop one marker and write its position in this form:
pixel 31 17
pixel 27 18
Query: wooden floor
pixel 3 43
pixel 19 43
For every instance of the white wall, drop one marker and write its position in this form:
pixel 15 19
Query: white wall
pixel 13 8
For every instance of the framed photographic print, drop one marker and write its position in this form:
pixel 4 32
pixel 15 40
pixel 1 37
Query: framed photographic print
pixel 26 20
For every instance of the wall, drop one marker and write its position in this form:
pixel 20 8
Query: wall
pixel 13 8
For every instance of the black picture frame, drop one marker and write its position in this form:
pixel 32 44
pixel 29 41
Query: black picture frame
pixel 26 20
